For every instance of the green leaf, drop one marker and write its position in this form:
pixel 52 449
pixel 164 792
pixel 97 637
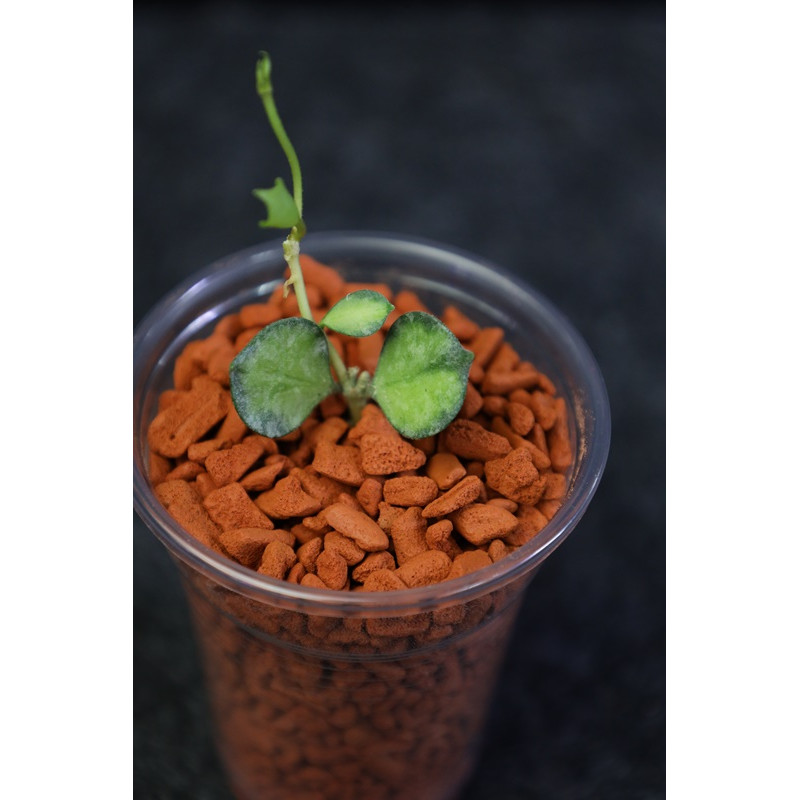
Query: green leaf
pixel 281 209
pixel 281 375
pixel 421 377
pixel 359 313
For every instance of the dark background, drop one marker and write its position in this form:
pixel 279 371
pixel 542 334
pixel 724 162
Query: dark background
pixel 531 135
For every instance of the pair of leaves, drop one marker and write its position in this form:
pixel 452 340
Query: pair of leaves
pixel 284 371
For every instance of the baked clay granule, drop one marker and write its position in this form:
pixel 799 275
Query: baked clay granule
pixel 360 508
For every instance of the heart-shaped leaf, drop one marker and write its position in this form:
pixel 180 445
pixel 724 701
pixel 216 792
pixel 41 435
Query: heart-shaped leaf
pixel 359 313
pixel 421 377
pixel 281 209
pixel 281 375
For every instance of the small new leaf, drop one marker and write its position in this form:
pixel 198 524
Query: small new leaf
pixel 359 313
pixel 281 375
pixel 281 209
pixel 421 377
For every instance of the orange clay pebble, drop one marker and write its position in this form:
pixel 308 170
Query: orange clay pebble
pixel 430 566
pixel 445 469
pixel 372 420
pixel 348 500
pixel 259 480
pixel 427 445
pixel 556 486
pixel 205 484
pixel 346 548
pixel 408 535
pixel 470 561
pixel 531 521
pixel 520 417
pixel 303 534
pixel 495 405
pixel 318 524
pixel 296 573
pixel 277 560
pixel 383 580
pixel 520 396
pixel 538 437
pixel 369 495
pixel 503 502
pixel 309 579
pixel 473 442
pixel 331 430
pixel 464 492
pixel 502 428
pixel 167 398
pixel 187 471
pixel 185 507
pixel 439 537
pixel 368 350
pixel 475 374
pixel 229 326
pixel 475 468
pixel 244 337
pixel 539 457
pixel 410 491
pixel 200 450
pixel 383 455
pixel 485 345
pixel 558 439
pixel 287 499
pixel 193 361
pixel 230 508
pixel 387 514
pixel 340 462
pixel 514 476
pixel 480 523
pixel 226 466
pixel 497 549
pixel 460 324
pixel 473 402
pixel 505 359
pixel 372 562
pixel 233 428
pixel 220 363
pixel 247 545
pixel 333 405
pixel 544 409
pixel 188 419
pixel 325 278
pixel 331 569
pixel 259 315
pixel 307 553
pixel 496 382
pixel 159 468
pixel 405 300
pixel 320 487
pixel 356 525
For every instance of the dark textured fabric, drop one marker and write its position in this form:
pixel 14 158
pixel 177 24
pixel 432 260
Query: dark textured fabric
pixel 531 135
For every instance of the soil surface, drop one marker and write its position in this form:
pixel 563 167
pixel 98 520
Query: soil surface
pixel 340 506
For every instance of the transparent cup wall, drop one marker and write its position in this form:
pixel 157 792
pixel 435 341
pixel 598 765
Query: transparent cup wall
pixel 329 695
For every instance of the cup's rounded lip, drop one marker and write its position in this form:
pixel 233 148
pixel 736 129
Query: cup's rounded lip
pixel 517 563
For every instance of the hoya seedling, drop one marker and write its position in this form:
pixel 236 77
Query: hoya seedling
pixel 285 370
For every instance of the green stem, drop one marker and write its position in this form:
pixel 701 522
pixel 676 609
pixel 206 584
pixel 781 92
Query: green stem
pixel 338 365
pixel 355 398
pixel 264 85
pixel 291 252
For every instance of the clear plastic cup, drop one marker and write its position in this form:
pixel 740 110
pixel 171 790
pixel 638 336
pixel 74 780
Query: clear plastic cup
pixel 325 695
